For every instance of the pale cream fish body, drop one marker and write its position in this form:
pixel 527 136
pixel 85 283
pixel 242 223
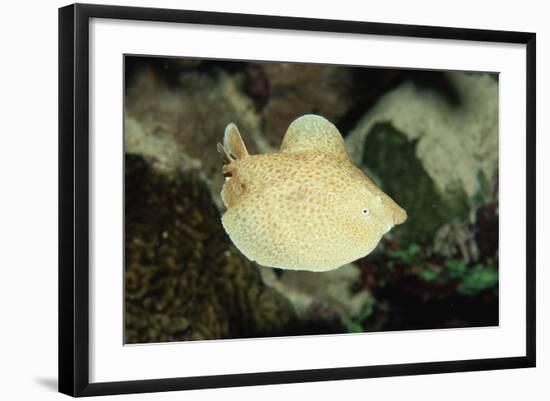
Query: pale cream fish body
pixel 304 208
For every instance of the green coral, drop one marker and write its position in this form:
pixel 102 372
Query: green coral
pixel 456 268
pixel 407 255
pixel 477 279
pixel 356 324
pixel 470 280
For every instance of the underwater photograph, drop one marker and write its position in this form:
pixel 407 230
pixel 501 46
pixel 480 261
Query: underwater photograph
pixel 267 199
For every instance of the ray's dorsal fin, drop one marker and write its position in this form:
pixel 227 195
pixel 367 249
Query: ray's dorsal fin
pixel 312 132
pixel 233 144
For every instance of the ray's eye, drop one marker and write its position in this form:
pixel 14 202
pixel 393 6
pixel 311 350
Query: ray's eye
pixel 366 211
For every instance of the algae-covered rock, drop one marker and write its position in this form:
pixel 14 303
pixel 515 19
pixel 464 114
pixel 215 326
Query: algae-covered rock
pixel 389 154
pixel 183 278
pixel 436 155
pixel 327 296
pixel 298 89
pixel 178 126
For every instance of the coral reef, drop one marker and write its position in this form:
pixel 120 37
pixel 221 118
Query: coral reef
pixel 178 126
pixel 429 139
pixel 324 90
pixel 456 140
pixel 328 296
pixel 416 289
pixel 437 152
pixel 434 149
pixel 183 279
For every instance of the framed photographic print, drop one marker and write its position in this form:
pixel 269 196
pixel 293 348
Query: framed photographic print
pixel 251 199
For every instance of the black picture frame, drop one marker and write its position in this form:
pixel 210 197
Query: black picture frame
pixel 74 198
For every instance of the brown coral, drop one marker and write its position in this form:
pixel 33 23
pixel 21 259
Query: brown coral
pixel 183 278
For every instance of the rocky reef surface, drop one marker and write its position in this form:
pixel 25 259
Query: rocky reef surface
pixel 429 139
pixel 437 153
pixel 184 280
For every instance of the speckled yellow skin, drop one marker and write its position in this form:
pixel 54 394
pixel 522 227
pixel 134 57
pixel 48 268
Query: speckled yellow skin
pixel 307 207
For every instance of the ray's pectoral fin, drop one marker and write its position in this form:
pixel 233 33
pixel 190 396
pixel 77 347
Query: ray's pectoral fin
pixel 312 132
